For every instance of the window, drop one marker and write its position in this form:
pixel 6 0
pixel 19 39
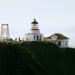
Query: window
pixel 54 36
pixel 66 43
pixel 59 43
pixel 40 37
pixel 34 37
pixel 37 37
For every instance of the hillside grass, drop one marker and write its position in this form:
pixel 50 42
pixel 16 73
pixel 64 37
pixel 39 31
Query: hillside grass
pixel 36 58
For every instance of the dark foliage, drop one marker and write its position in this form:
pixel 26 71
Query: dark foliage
pixel 36 58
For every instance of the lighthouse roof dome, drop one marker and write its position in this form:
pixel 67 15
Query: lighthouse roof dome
pixel 34 22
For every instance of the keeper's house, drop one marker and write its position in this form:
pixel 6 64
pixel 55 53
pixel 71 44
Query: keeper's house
pixel 58 39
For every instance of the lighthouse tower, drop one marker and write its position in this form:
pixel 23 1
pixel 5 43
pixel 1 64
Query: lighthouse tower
pixel 35 34
pixel 35 28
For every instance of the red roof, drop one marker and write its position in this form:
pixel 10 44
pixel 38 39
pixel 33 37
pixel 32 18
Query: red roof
pixel 59 36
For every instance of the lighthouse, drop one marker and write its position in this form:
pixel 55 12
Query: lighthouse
pixel 35 34
pixel 34 28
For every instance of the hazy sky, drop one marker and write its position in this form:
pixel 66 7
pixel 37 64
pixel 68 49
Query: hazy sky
pixel 54 16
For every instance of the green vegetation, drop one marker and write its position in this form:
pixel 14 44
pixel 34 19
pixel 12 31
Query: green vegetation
pixel 36 58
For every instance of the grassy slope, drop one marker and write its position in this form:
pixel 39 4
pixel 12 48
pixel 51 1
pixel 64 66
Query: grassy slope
pixel 36 58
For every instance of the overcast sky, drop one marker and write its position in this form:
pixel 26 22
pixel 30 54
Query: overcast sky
pixel 54 16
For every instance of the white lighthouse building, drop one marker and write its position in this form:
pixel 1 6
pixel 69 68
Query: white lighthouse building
pixel 35 34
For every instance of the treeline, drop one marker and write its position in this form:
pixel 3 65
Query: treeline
pixel 36 58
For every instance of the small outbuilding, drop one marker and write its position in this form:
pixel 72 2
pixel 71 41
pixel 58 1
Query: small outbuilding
pixel 58 39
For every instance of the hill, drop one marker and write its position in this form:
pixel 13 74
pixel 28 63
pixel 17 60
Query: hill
pixel 36 58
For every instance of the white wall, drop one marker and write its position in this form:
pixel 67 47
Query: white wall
pixel 64 43
pixel 35 31
pixel 30 37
